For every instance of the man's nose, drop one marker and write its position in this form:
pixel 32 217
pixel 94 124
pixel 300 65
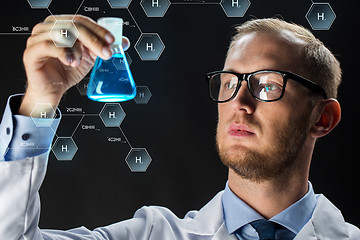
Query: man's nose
pixel 244 100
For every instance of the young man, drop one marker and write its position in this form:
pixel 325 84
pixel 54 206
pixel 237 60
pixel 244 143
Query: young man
pixel 276 96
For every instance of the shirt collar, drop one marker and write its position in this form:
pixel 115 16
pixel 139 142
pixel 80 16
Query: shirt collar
pixel 237 213
pixel 298 214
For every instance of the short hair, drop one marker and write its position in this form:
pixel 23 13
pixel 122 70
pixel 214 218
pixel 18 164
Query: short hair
pixel 318 63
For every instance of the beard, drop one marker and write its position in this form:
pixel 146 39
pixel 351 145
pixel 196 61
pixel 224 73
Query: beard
pixel 272 161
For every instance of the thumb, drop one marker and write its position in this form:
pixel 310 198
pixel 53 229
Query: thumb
pixel 125 43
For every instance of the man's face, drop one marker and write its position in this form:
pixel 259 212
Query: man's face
pixel 262 140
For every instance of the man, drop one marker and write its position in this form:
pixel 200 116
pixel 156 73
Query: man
pixel 277 96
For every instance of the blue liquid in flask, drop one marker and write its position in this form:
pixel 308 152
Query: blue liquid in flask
pixel 111 80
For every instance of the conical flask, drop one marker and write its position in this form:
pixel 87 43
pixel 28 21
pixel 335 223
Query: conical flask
pixel 111 80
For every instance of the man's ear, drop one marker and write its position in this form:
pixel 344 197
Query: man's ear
pixel 330 115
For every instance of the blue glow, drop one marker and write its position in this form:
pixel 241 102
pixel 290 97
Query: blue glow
pixel 111 80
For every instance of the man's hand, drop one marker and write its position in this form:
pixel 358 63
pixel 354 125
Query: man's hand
pixel 52 70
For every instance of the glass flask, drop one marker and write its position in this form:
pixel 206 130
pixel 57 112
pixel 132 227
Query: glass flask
pixel 111 80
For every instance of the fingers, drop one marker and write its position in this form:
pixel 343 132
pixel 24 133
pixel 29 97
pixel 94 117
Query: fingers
pixel 98 42
pixel 86 21
pixel 90 24
pixel 38 54
pixel 74 54
pixel 125 43
pixel 91 36
pixel 96 38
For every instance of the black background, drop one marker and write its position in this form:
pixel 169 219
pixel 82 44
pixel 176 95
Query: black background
pixel 177 126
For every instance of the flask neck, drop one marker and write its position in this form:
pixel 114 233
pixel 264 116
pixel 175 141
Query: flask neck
pixel 117 48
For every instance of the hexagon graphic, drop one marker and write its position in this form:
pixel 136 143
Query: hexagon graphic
pixel 119 62
pixel 128 58
pixel 138 159
pixel 64 33
pixel 320 16
pixel 155 8
pixel 119 3
pixel 149 46
pixel 42 114
pixel 64 148
pixel 143 95
pixel 235 8
pixel 112 115
pixel 39 3
pixel 82 86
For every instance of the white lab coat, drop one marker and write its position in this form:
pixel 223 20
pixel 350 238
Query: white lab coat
pixel 20 210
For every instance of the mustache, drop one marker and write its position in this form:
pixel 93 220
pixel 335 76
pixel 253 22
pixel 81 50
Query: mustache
pixel 244 119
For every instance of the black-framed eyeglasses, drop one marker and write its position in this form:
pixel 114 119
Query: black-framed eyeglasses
pixel 264 85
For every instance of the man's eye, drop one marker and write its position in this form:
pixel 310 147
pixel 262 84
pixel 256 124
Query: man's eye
pixel 271 87
pixel 230 85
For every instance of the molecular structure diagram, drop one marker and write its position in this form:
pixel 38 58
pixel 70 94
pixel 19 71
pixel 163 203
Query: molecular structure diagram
pixel 149 47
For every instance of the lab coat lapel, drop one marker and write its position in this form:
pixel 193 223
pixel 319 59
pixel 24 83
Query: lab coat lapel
pixel 307 232
pixel 327 222
pixel 210 217
pixel 210 221
pixel 222 234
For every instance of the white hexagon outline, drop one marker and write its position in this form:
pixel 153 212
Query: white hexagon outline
pixel 155 16
pixel 311 7
pixel 77 86
pixel 131 150
pixel 74 27
pixel 39 7
pixel 104 109
pixel 235 16
pixel 51 119
pixel 2 143
pixel 52 149
pixel 141 36
pixel 127 57
pixel 149 97
pixel 119 7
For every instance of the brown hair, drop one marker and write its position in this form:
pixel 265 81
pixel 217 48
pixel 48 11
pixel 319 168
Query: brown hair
pixel 318 63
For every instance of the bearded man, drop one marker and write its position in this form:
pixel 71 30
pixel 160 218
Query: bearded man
pixel 276 96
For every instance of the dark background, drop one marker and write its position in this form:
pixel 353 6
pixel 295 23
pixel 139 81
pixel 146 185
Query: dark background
pixel 177 126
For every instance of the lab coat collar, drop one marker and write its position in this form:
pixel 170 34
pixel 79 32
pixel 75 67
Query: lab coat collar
pixel 327 222
pixel 210 221
pixel 209 218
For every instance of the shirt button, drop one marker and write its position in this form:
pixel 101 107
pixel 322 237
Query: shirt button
pixel 25 136
pixel 8 131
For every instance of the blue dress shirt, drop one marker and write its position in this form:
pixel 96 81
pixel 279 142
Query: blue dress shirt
pixel 20 137
pixel 239 215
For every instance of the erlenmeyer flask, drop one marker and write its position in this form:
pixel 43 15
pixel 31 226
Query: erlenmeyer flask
pixel 111 80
